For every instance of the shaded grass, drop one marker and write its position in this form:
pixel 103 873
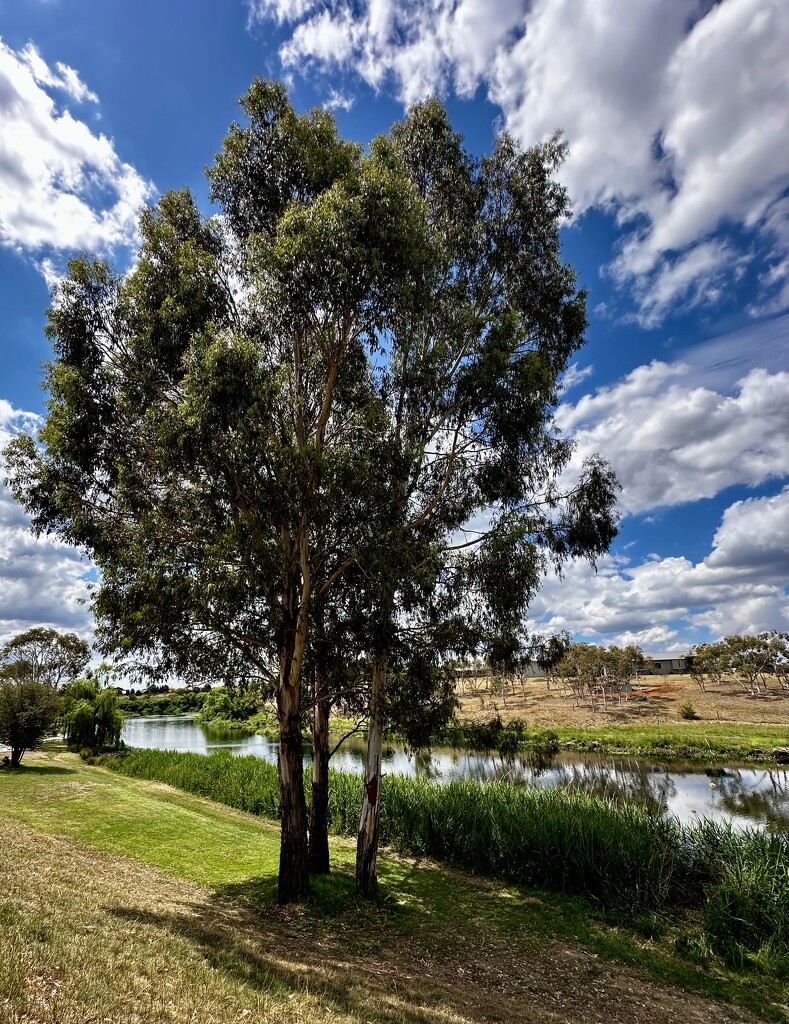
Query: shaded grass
pixel 438 946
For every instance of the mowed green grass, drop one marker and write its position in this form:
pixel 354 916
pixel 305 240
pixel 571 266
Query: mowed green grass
pixel 100 936
pixel 195 839
pixel 692 740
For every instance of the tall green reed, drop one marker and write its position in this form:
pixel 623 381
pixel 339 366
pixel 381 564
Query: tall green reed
pixel 616 853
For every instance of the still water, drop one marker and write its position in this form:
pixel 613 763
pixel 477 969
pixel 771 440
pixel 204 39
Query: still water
pixel 746 796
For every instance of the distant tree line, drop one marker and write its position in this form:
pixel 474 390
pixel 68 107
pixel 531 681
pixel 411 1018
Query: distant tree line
pixel 42 690
pixel 749 660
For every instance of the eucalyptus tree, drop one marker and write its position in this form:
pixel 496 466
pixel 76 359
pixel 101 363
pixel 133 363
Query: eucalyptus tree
pixel 471 379
pixel 547 652
pixel 355 362
pixel 50 656
pixel 212 411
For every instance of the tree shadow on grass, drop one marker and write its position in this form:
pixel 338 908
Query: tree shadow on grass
pixel 427 951
pixel 39 769
pixel 388 960
pixel 286 951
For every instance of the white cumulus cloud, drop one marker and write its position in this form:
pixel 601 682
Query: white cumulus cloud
pixel 42 581
pixel 671 441
pixel 677 114
pixel 739 587
pixel 62 186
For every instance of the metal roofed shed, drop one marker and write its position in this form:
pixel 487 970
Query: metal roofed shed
pixel 668 664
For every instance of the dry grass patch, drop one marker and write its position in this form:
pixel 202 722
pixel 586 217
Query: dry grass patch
pixel 88 936
pixel 536 705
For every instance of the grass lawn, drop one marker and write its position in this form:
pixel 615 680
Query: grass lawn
pixel 126 901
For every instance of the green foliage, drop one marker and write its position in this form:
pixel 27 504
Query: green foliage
pixel 746 908
pixel 28 711
pixel 228 709
pixel 491 735
pixel 46 655
pixel 151 705
pixel 688 712
pixel 91 717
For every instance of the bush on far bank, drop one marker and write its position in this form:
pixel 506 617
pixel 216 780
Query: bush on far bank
pixel 172 702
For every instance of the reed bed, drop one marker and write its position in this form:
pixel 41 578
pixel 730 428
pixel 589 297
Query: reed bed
pixel 246 783
pixel 616 853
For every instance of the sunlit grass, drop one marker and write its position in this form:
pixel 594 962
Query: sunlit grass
pixel 438 946
pixel 707 742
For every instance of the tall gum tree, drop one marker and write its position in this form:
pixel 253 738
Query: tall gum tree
pixel 210 412
pixel 471 381
pixel 355 362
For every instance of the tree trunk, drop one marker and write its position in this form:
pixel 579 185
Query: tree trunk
pixel 319 809
pixel 294 879
pixel 367 843
pixel 16 756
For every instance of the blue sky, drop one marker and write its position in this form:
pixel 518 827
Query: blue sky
pixel 676 116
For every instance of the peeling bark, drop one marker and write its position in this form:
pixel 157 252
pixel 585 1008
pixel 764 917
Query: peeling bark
pixel 367 843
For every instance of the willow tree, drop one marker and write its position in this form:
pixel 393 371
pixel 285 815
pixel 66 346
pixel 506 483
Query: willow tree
pixel 472 380
pixel 211 411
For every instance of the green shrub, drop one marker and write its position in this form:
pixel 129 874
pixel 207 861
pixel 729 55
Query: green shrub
pixel 688 712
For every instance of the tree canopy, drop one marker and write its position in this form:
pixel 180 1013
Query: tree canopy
pixel 324 413
pixel 28 711
pixel 91 717
pixel 47 655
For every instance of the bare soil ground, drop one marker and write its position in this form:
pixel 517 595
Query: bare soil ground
pixel 654 700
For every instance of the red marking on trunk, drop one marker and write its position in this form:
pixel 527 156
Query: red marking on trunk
pixel 372 789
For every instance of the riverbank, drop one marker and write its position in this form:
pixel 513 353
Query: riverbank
pixel 139 899
pixel 729 726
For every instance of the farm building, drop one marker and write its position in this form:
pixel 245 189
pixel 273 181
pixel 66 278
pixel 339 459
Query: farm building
pixel 668 664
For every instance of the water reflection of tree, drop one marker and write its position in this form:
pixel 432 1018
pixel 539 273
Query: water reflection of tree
pixel 483 768
pixel 738 795
pixel 425 766
pixel 634 783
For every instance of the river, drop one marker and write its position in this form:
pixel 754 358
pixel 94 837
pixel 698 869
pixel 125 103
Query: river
pixel 745 796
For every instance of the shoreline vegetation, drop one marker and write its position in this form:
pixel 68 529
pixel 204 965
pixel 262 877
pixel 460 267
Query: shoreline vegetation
pixel 613 853
pixel 729 727
pixel 660 923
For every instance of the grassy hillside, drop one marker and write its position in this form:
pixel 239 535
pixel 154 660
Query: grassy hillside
pixel 126 901
pixel 654 700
